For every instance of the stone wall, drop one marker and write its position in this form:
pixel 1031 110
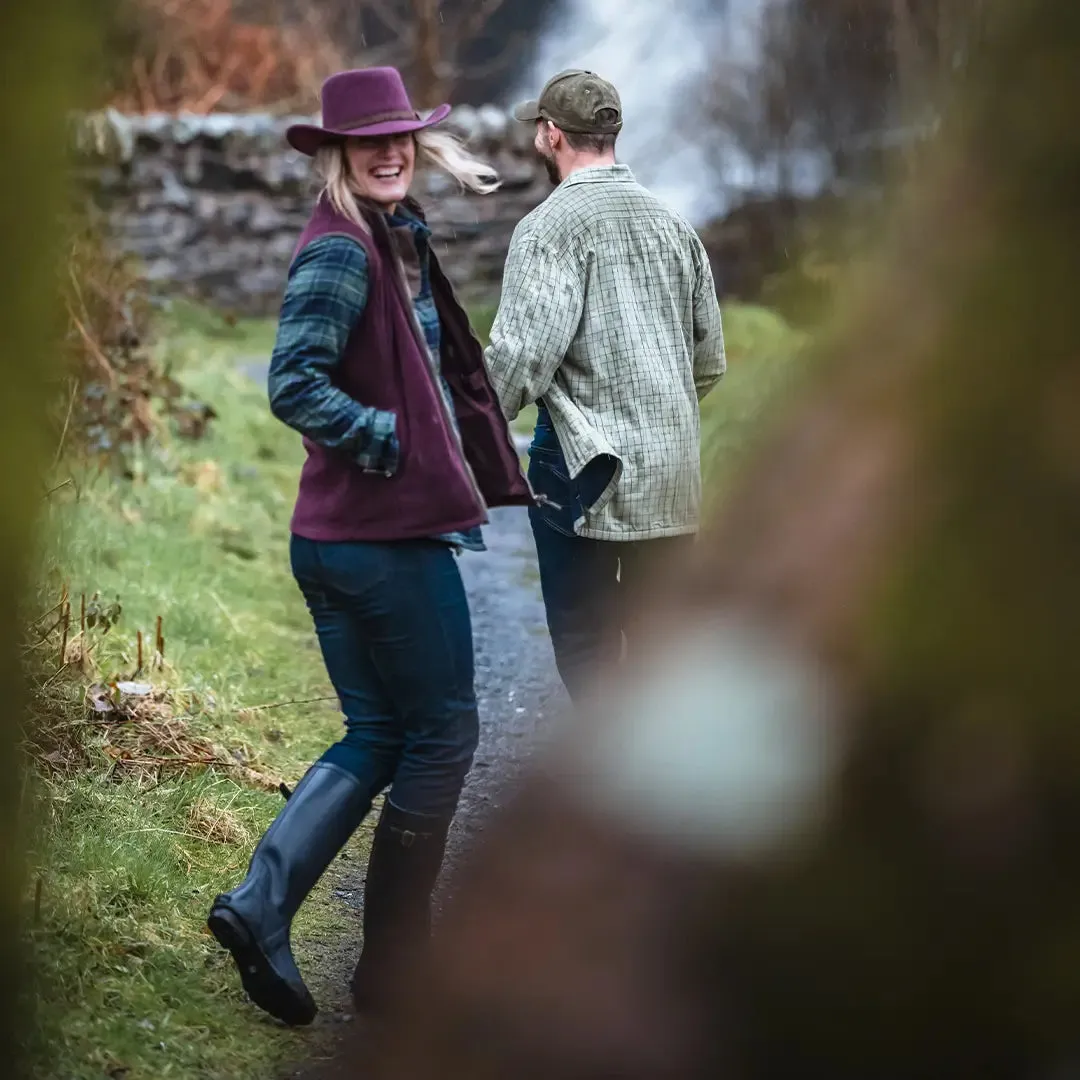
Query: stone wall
pixel 212 205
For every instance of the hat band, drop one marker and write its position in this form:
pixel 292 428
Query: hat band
pixel 596 129
pixel 376 118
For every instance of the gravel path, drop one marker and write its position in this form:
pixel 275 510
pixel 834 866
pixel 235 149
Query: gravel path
pixel 517 685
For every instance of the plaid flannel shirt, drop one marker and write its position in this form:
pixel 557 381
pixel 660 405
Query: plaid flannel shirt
pixel 324 299
pixel 609 314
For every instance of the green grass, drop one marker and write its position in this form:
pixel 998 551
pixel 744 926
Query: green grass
pixel 128 978
pixel 762 350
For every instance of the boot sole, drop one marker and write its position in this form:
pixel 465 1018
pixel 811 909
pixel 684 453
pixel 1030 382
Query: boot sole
pixel 261 982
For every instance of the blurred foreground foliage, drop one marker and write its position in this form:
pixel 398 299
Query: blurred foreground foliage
pixel 49 55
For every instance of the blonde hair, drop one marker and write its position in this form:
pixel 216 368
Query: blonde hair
pixel 447 152
pixel 439 149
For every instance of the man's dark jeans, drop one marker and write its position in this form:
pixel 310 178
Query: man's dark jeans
pixel 587 584
pixel 393 623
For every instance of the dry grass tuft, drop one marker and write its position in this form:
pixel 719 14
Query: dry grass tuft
pixel 136 730
pixel 217 824
pixel 147 739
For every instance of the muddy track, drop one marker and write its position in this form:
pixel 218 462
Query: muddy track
pixel 518 691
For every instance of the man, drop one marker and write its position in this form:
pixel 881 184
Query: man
pixel 609 322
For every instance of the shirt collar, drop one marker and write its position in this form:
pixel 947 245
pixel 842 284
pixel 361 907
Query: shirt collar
pixel 401 217
pixel 598 174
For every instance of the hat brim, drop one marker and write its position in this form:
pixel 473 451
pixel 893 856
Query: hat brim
pixel 527 112
pixel 307 138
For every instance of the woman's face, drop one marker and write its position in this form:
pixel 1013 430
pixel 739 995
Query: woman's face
pixel 382 167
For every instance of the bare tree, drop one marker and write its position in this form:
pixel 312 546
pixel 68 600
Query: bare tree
pixel 842 78
pixel 430 41
pixel 748 106
pixel 934 42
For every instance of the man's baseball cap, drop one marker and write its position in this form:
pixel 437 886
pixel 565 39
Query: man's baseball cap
pixel 571 101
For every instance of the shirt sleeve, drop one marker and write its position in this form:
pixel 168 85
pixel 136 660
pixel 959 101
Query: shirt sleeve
pixel 325 296
pixel 539 314
pixel 710 361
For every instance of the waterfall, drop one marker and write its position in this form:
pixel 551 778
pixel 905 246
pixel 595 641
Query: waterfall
pixel 659 53
pixel 656 54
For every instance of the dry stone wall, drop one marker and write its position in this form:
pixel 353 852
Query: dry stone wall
pixel 212 205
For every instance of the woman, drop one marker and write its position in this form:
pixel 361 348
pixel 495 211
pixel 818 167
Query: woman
pixel 376 366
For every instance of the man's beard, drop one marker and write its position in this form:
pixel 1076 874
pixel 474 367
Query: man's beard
pixel 552 169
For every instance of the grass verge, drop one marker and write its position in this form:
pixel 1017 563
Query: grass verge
pixel 127 852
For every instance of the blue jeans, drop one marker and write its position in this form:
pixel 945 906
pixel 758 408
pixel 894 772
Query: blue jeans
pixel 587 584
pixel 393 623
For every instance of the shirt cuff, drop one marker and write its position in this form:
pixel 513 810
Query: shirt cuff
pixel 382 452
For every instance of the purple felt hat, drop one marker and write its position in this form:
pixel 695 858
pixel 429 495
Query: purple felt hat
pixel 370 101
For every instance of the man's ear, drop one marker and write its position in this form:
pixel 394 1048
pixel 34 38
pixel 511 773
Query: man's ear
pixel 555 136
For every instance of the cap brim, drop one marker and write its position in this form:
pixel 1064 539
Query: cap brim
pixel 527 111
pixel 307 138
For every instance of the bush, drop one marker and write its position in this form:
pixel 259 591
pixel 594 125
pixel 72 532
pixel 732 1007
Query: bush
pixel 117 393
pixel 205 55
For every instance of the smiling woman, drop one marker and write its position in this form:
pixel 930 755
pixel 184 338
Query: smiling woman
pixel 381 168
pixel 375 366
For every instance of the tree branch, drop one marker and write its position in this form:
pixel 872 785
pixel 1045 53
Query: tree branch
pixel 396 21
pixel 497 64
pixel 477 21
